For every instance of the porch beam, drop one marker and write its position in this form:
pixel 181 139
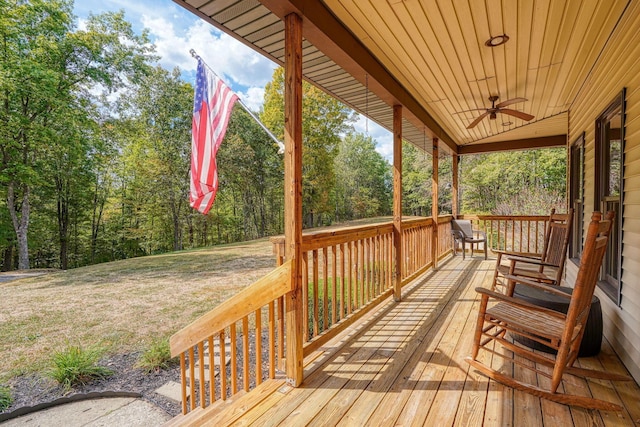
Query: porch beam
pixel 397 201
pixel 293 195
pixel 454 191
pixel 434 203
pixel 326 32
pixel 518 144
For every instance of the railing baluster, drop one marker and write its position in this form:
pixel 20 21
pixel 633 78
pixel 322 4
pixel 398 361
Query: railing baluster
pixel 334 284
pixel 212 375
pixel 356 275
pixel 234 361
pixel 325 289
pixel 192 380
pixel 245 352
pixel 258 350
pixel 183 382
pixel 281 332
pixel 349 275
pixel 272 341
pixel 223 365
pixel 366 266
pixel 361 272
pixel 342 287
pixel 201 372
pixel 305 296
pixel 315 293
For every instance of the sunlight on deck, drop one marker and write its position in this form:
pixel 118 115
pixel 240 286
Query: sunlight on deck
pixel 403 365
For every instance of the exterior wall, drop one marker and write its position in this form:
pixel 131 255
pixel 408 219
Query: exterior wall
pixel 617 67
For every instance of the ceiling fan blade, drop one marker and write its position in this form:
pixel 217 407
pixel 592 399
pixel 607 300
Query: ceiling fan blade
pixel 511 102
pixel 478 120
pixel 516 113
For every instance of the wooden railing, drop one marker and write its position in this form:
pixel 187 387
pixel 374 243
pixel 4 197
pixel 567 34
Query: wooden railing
pixel 417 241
pixel 349 271
pixel 253 353
pixel 523 234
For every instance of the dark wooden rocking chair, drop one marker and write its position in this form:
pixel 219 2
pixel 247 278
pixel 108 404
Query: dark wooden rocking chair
pixel 547 266
pixel 556 330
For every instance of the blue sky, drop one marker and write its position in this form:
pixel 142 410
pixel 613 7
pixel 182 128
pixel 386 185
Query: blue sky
pixel 175 31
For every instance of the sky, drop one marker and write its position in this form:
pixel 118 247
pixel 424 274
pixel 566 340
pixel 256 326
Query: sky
pixel 175 31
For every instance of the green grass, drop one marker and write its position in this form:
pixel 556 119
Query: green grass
pixel 121 306
pixel 76 365
pixel 5 398
pixel 156 357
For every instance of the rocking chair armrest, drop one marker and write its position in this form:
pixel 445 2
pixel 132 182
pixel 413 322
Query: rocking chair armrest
pixel 539 285
pixel 519 302
pixel 516 258
pixel 528 255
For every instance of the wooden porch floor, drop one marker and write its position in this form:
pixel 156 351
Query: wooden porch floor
pixel 403 365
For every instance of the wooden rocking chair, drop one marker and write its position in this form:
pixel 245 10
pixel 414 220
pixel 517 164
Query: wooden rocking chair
pixel 553 329
pixel 547 266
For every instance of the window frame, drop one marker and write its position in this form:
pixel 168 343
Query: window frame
pixel 611 286
pixel 576 196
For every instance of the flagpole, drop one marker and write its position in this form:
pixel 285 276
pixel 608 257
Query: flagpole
pixel 277 141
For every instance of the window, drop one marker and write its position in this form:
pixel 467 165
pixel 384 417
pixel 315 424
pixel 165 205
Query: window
pixel 609 189
pixel 576 196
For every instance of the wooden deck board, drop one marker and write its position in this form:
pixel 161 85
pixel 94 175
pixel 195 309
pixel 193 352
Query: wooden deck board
pixel 404 366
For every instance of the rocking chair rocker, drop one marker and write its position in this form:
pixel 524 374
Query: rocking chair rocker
pixel 559 331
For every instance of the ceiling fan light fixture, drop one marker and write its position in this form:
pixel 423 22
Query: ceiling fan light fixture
pixel 497 40
pixel 492 116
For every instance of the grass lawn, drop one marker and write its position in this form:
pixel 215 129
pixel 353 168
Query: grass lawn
pixel 120 306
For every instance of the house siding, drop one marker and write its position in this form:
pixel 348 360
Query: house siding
pixel 618 67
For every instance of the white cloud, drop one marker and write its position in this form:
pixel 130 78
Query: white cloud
pixel 383 138
pixel 236 63
pixel 253 98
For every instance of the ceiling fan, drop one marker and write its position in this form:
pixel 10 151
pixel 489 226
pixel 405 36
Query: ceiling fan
pixel 499 108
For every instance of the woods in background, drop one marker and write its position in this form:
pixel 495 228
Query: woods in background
pixel 95 143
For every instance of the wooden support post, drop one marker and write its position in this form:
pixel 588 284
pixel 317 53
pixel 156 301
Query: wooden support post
pixel 293 195
pixel 454 191
pixel 434 203
pixel 397 200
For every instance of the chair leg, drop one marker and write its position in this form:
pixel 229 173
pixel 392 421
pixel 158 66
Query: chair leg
pixel 479 325
pixel 485 250
pixel 464 249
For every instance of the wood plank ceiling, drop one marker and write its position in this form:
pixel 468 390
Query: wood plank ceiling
pixel 435 50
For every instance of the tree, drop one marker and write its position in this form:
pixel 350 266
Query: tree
pixel 364 186
pixel 514 183
pixel 45 67
pixel 326 119
pixel 163 107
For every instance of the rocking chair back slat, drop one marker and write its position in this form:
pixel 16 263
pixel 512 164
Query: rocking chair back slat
pixel 547 267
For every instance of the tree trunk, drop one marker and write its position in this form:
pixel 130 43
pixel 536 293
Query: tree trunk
pixel 7 258
pixel 20 225
pixel 98 207
pixel 63 224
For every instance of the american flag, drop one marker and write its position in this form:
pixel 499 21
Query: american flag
pixel 213 102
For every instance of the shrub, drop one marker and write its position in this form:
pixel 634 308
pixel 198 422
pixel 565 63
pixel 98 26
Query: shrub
pixel 76 365
pixel 156 357
pixel 5 398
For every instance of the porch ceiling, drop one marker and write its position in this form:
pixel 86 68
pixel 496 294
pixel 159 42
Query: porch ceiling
pixel 431 56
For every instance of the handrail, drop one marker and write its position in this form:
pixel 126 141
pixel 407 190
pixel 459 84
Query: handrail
pixel 267 289
pixel 514 233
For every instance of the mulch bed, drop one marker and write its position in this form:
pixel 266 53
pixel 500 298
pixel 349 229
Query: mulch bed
pixel 33 389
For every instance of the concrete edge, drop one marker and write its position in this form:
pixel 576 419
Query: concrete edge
pixel 63 400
